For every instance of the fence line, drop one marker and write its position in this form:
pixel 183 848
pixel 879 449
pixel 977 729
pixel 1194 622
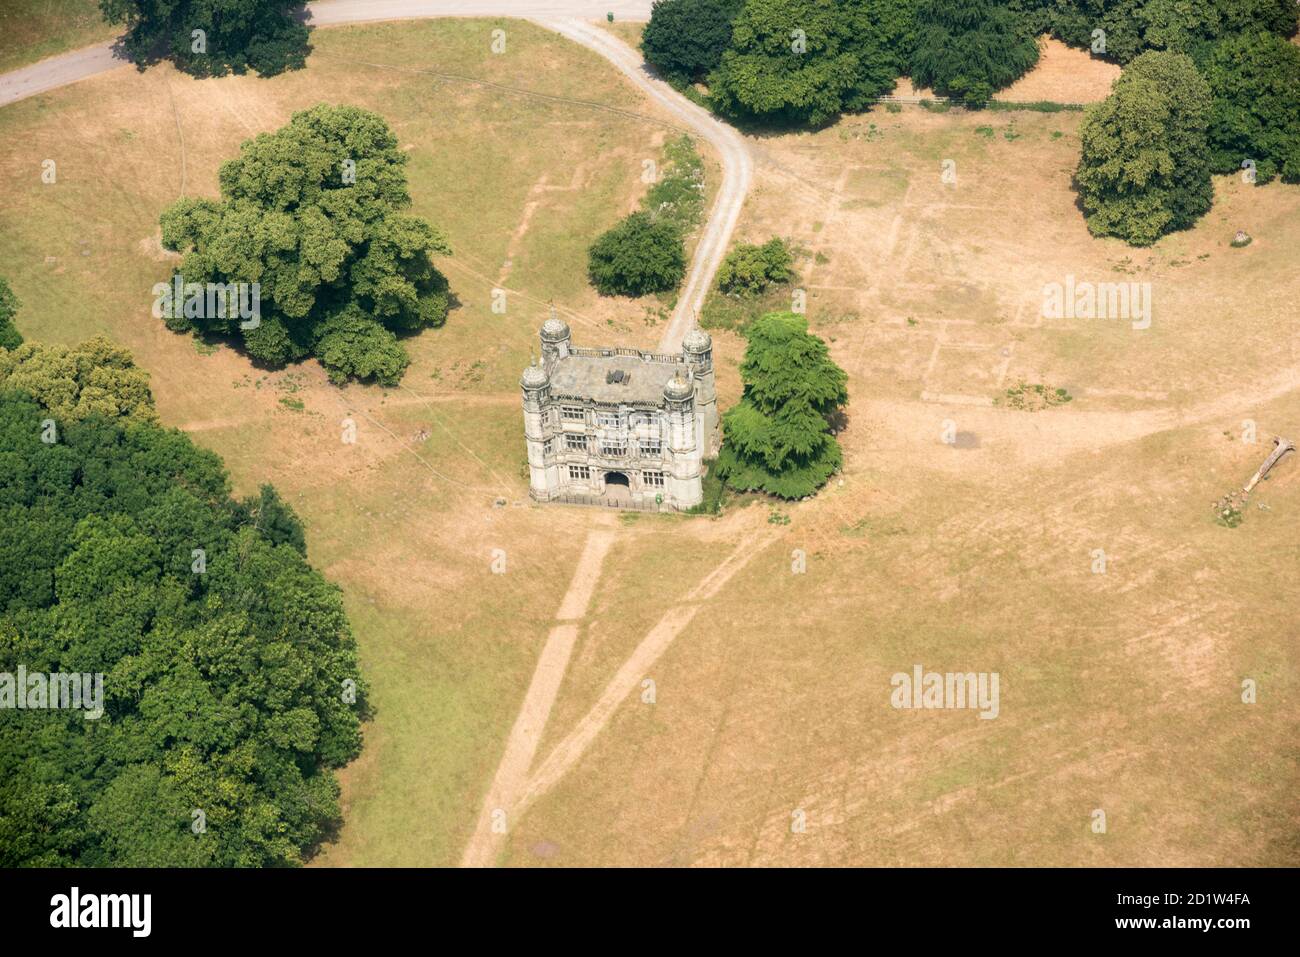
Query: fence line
pixel 600 501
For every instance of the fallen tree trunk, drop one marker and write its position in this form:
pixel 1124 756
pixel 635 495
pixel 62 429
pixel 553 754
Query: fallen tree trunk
pixel 1281 447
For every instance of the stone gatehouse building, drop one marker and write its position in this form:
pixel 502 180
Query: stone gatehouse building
pixel 619 427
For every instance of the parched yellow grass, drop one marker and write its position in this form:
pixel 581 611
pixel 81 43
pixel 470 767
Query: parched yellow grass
pixel 523 157
pixel 1120 691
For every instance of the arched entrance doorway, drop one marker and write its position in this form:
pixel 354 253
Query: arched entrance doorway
pixel 618 487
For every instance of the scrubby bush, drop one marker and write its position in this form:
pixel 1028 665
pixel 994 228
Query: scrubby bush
pixel 749 270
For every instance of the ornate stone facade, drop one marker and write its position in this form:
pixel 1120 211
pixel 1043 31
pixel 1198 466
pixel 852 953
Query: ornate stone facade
pixel 619 427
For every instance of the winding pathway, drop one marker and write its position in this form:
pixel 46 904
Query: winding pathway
pixel 570 19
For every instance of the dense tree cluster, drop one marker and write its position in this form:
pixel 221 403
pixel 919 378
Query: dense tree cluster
pixel 1255 81
pixel 230 686
pixel 314 214
pixel 806 61
pixel 1216 90
pixel 778 438
pixel 1144 169
pixel 214 37
pixel 1122 29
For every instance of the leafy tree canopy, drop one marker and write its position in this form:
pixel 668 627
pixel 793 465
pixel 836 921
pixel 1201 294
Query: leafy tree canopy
pixel 749 270
pixel 1144 169
pixel 76 382
pixel 232 35
pixel 9 304
pixel 225 657
pixel 777 438
pixel 1255 81
pixel 1133 26
pixel 312 213
pixel 636 257
pixel 806 61
pixel 685 39
pixel 968 49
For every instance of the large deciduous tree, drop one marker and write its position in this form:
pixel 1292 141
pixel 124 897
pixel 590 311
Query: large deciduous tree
pixel 778 438
pixel 1144 170
pixel 685 39
pixel 314 214
pixel 969 49
pixel 213 37
pixel 806 61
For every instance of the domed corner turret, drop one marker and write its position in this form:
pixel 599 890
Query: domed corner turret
pixel 554 329
pixel 697 343
pixel 534 378
pixel 679 388
pixel 555 338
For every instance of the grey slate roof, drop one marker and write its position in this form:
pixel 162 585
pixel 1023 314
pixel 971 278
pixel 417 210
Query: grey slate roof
pixel 586 376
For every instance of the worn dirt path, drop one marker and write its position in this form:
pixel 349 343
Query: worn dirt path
pixel 629 676
pixel 515 786
pixel 737 169
pixel 521 746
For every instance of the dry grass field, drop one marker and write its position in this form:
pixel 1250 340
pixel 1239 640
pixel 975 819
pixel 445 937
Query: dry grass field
pixel 522 176
pixel 31 30
pixel 1120 691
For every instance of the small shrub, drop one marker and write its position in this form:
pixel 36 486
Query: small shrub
pixel 678 196
pixel 1033 398
pixel 749 270
pixel 1230 510
pixel 9 335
